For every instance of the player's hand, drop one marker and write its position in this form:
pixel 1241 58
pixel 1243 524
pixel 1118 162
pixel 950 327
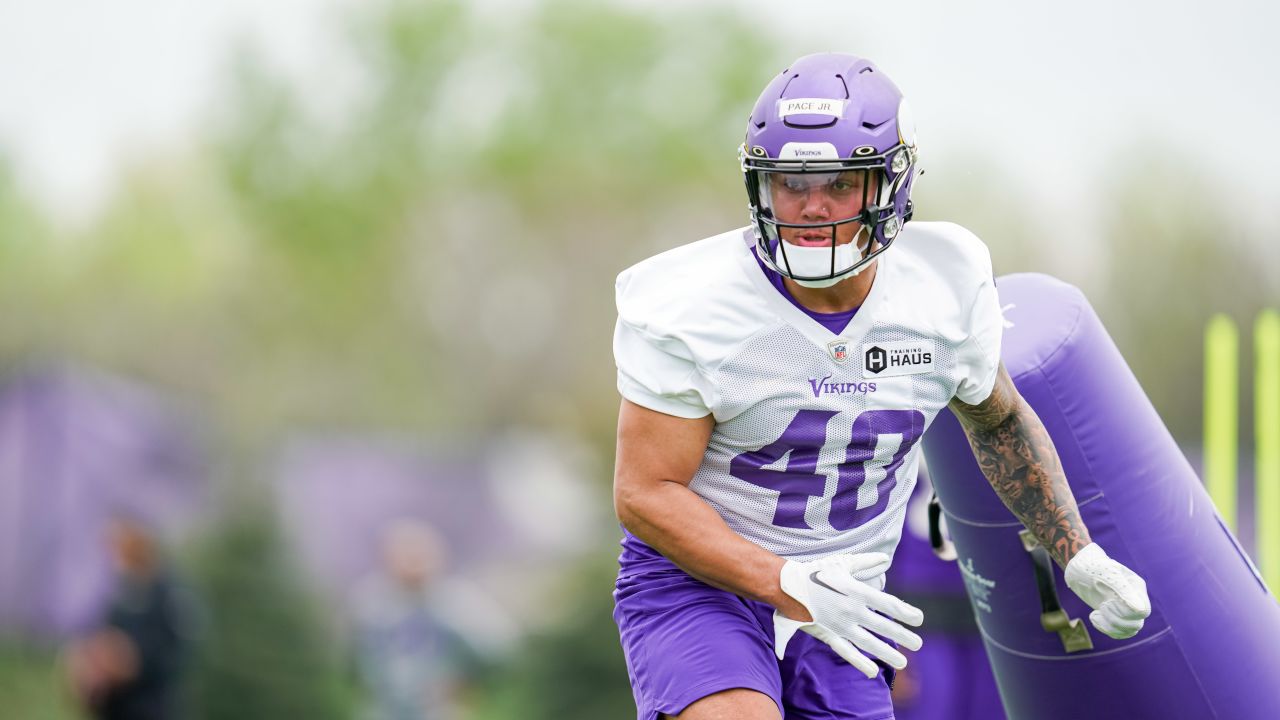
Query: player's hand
pixel 842 593
pixel 1116 593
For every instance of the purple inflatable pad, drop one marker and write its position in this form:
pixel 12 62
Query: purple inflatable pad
pixel 1211 648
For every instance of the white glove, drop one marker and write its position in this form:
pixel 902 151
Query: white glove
pixel 841 592
pixel 1116 593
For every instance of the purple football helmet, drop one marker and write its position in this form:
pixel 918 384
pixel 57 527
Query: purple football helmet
pixel 825 117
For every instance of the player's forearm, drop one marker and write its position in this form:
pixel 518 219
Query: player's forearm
pixel 1019 459
pixel 673 520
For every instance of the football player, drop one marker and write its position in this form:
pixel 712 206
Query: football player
pixel 776 382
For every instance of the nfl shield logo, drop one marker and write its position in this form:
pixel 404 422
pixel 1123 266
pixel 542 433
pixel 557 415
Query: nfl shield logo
pixel 839 349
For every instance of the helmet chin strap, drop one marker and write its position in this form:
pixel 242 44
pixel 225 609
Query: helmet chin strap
pixel 801 260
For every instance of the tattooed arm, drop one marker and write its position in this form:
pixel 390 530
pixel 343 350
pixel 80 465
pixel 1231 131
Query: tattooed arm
pixel 1015 453
pixel 1017 456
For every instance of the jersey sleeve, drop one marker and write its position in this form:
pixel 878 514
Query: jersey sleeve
pixel 659 373
pixel 979 358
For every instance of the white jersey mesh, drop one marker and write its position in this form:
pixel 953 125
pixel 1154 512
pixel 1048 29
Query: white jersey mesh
pixel 772 379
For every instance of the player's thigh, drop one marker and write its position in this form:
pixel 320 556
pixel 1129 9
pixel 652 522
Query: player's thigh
pixel 735 704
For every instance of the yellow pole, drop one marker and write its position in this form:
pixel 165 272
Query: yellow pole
pixel 1266 407
pixel 1221 407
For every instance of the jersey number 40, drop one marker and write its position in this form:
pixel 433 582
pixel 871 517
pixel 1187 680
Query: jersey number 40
pixel 804 439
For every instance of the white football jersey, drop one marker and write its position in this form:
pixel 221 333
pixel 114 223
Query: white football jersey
pixel 817 436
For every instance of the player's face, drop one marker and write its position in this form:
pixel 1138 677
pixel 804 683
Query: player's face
pixel 818 198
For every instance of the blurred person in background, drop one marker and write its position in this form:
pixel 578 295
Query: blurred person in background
pixel 130 667
pixel 410 659
pixel 776 381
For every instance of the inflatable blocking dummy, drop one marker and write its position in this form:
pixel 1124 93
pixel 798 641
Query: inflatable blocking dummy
pixel 948 678
pixel 1211 648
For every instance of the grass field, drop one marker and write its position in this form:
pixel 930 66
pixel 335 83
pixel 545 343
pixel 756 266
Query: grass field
pixel 31 687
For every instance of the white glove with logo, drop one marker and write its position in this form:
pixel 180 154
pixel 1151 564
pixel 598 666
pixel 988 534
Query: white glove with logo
pixel 1116 593
pixel 842 593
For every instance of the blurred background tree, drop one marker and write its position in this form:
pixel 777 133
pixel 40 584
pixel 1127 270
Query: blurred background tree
pixel 264 648
pixel 1176 256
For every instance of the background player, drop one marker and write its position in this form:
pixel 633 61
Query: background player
pixel 776 382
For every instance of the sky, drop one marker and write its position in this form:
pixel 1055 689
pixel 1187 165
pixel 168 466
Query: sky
pixel 1056 95
pixel 86 85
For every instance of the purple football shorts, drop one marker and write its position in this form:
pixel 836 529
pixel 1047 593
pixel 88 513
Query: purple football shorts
pixel 685 640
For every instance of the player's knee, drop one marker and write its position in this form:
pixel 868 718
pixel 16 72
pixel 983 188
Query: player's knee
pixel 734 704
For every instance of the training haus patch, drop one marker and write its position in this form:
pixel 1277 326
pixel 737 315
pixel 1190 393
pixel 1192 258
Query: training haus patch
pixel 912 357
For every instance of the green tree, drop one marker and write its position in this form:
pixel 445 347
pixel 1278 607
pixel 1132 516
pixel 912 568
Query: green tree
pixel 264 648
